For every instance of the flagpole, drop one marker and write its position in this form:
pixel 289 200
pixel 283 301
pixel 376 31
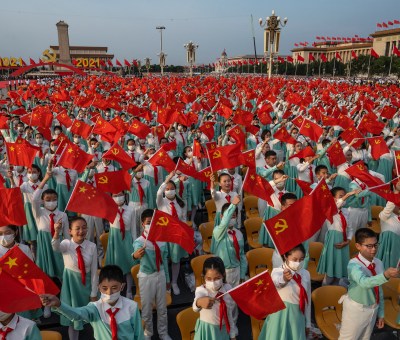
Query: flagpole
pixel 381 185
pixel 319 70
pixel 286 68
pixel 334 66
pixel 72 193
pixel 350 68
pixel 395 162
pixel 390 66
pixel 369 64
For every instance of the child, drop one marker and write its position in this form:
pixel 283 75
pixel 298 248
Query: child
pixel 153 278
pixel 15 327
pixel 210 325
pixel 80 270
pixel 112 316
pixel 294 287
pixel 306 170
pixel 364 301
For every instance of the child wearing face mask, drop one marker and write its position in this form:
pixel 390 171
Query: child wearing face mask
pixel 215 321
pixel 132 153
pixel 139 195
pixel 40 143
pixel 80 270
pixel 15 327
pixel 121 235
pixel 172 204
pixel 153 278
pixel 294 287
pixel 154 175
pixel 105 165
pixel 18 175
pixel 112 316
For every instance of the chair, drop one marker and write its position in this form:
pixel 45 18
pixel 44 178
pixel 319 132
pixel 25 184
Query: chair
pixel 50 335
pixel 256 327
pixel 211 210
pixel 104 243
pixel 206 231
pixel 250 204
pixel 314 251
pixel 376 226
pixel 327 310
pixel 352 247
pixel 375 210
pixel 391 290
pixel 136 298
pixel 197 266
pixel 186 320
pixel 252 226
pixel 259 260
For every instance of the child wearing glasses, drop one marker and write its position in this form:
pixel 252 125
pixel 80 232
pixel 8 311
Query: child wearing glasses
pixel 364 304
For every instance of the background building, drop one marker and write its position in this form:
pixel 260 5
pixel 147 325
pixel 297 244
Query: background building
pixel 88 52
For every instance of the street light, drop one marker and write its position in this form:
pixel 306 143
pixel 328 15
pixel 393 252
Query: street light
pixel 162 55
pixel 147 62
pixel 272 34
pixel 191 55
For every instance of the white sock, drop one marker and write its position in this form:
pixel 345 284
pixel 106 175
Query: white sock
pixel 73 333
pixel 175 272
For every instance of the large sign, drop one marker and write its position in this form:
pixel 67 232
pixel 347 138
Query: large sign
pixel 11 62
pixel 87 62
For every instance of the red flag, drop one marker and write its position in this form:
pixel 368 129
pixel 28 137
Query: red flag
pixel 3 122
pixel 350 134
pixel 22 268
pixel 379 25
pixel 116 153
pixel 238 135
pixel 360 171
pixel 258 296
pixel 374 54
pixel 354 55
pixel 113 181
pixel 126 62
pixel 258 186
pixel 284 136
pixel 323 57
pixel 73 157
pixel 396 51
pixel 208 129
pixel 384 24
pixel 165 228
pixel 21 153
pixel 224 157
pixel 289 59
pixel 81 128
pixel 88 200
pixel 397 160
pixel 109 62
pixel 325 200
pixel 388 112
pixel 169 146
pixel 40 116
pixel 304 186
pixel 298 121
pixel 369 123
pixel 12 207
pixel 300 58
pixel 378 147
pixel 187 169
pixel 64 119
pixel 387 194
pixel 118 63
pixel 337 56
pixel 311 57
pixel 306 152
pixel 248 158
pixel 139 129
pixel 105 129
pixel 335 154
pixel 311 130
pixel 162 158
pixel 31 61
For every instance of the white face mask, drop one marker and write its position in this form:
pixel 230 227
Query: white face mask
pixel 4 316
pixel 110 298
pixel 131 147
pixel 33 177
pixel 280 185
pixel 293 265
pixel 146 228
pixel 119 200
pixel 232 222
pixel 214 285
pixel 50 205
pixel 57 132
pixel 170 193
pixel 39 140
pixel 139 174
pixel 172 134
pixel 76 140
pixel 150 141
pixel 6 240
pixel 19 168
pixel 190 154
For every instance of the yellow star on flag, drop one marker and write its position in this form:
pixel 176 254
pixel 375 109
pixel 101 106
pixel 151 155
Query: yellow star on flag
pixel 259 282
pixel 11 262
pixel 82 189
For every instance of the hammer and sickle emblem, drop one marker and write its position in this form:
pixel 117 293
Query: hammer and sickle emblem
pixel 217 154
pixel 135 126
pixel 207 173
pixel 162 221
pixel 103 180
pixel 115 151
pixel 360 167
pixel 77 124
pixel 48 56
pixel 307 125
pixel 237 131
pixel 378 141
pixel 280 226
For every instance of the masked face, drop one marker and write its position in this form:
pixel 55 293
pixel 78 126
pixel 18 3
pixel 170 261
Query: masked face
pixel 214 285
pixel 6 240
pixel 4 316
pixel 146 228
pixel 39 141
pixel 50 205
pixel 232 223
pixel 280 185
pixel 170 194
pixel 33 176
pixel 119 200
pixel 110 298
pixel 139 174
pixel 294 265
pixel 131 147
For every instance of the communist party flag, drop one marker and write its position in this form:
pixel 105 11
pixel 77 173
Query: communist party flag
pixel 73 157
pixel 360 171
pixel 298 121
pixel 306 152
pixel 116 153
pixel 387 194
pixel 88 200
pixel 113 181
pixel 165 228
pixel 15 297
pixel 397 160
pixel 162 158
pixel 249 158
pixel 258 186
pixel 208 129
pixel 350 134
pixel 238 135
pixel 187 169
pixel 378 147
pixel 225 157
pixel 258 296
pixel 204 176
pixel 105 130
pixel 22 268
pixel 12 207
pixel 169 146
pixel 311 130
pixel 21 153
pixel 335 154
pixel 284 136
pixel 64 119
pixel 139 129
pixel 81 128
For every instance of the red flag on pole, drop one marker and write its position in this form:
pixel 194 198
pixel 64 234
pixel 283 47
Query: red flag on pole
pixel 73 157
pixel 374 54
pixel 360 171
pixel 311 130
pixel 354 55
pixel 113 181
pixel 323 57
pixel 258 186
pixel 378 147
pixel 337 56
pixel 224 157
pixel 12 207
pixel 81 128
pixel 116 153
pixel 335 154
pixel 20 153
pixel 162 158
pixel 284 136
pixel 396 51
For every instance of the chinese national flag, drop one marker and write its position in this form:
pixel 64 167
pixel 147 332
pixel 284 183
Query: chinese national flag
pixel 264 114
pixel 370 123
pixel 306 152
pixel 198 150
pixel 139 129
pixel 335 154
pixel 258 186
pixel 238 135
pixel 378 147
pixel 162 158
pixel 284 136
pixel 350 134
pixel 187 169
pixel 15 297
pixel 116 153
pixel 165 228
pixel 3 123
pixel 304 186
pixel 387 194
pixel 113 181
pixel 225 111
pixel 22 268
pixel 258 296
pixel 21 153
pixel 374 54
pixel 73 157
pixel 81 128
pixel 225 157
pixel 323 196
pixel 249 158
pixel 64 119
pixel 360 171
pixel 397 160
pixel 105 129
pixel 12 207
pixel 243 117
pixel 88 200
pixel 311 130
pixel 208 129
pixel 388 112
pixel 40 116
pixel 169 146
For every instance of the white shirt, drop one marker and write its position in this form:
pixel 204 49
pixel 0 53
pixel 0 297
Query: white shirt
pixel 389 221
pixel 129 220
pixel 164 204
pixel 60 175
pixel 28 188
pixel 25 249
pixel 304 172
pixel 22 328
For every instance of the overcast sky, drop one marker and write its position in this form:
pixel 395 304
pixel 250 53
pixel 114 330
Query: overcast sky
pixel 128 27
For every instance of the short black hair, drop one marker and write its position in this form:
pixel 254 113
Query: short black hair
pixel 74 219
pixel 278 171
pixel 49 192
pixel 298 247
pixel 270 153
pixel 146 213
pixel 111 272
pixel 225 207
pixel 364 233
pixel 320 167
pixel 215 263
pixel 335 190
pixel 288 196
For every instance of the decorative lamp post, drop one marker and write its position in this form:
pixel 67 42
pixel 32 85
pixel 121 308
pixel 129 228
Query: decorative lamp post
pixel 161 55
pixel 272 34
pixel 191 55
pixel 147 62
